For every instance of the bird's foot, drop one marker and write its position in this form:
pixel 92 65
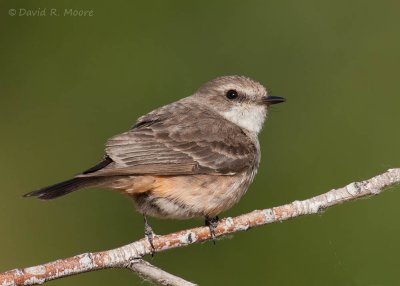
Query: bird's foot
pixel 149 234
pixel 212 225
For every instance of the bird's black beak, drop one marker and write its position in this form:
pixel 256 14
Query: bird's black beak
pixel 269 100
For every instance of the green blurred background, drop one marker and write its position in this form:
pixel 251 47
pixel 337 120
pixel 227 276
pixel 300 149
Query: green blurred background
pixel 69 83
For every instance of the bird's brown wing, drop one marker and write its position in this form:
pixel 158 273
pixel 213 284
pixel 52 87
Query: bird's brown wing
pixel 179 140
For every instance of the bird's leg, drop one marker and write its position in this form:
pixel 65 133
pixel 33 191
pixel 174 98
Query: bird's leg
pixel 212 225
pixel 149 234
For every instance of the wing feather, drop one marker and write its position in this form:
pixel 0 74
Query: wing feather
pixel 180 140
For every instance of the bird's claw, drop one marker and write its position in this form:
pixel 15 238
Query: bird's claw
pixel 212 224
pixel 149 234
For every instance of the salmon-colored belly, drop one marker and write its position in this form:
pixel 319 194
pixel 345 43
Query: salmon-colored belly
pixel 184 196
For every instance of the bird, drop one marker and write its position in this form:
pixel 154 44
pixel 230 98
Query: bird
pixel 195 157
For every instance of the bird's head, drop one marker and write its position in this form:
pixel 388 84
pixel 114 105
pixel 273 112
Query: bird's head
pixel 239 99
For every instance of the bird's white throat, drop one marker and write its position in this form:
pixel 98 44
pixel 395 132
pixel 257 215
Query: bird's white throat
pixel 250 118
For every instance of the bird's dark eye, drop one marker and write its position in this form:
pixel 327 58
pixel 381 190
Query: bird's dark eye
pixel 232 94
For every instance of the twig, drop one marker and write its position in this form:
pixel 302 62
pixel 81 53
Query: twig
pixel 121 257
pixel 149 272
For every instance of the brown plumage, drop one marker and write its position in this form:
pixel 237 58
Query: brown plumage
pixel 194 157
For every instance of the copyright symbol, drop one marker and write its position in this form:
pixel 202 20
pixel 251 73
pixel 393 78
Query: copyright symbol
pixel 12 12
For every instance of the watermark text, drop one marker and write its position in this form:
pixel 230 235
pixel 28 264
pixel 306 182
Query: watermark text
pixel 50 12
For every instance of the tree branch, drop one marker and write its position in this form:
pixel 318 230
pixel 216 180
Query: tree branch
pixel 149 272
pixel 126 256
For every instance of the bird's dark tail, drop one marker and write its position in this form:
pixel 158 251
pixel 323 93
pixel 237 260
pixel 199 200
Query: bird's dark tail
pixel 66 187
